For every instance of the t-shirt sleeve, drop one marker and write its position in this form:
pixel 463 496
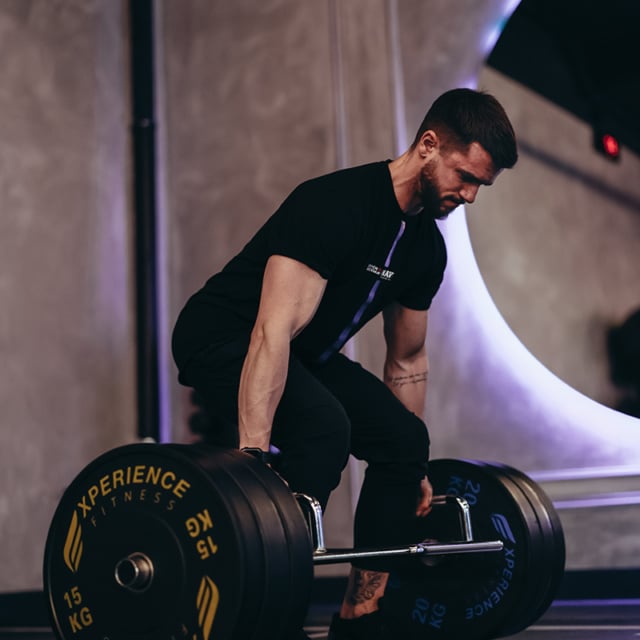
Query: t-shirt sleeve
pixel 314 226
pixel 421 294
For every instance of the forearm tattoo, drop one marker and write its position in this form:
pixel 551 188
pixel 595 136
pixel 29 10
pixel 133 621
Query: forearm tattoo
pixel 414 378
pixel 365 586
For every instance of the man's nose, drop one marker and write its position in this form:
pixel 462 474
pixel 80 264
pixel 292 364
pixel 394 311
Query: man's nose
pixel 469 193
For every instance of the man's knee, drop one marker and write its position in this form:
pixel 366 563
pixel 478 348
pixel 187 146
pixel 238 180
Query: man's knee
pixel 419 438
pixel 412 442
pixel 333 439
pixel 315 451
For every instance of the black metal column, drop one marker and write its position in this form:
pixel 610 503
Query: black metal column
pixel 144 158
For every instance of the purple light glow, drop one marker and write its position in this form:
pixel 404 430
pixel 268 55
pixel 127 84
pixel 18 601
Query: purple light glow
pixel 605 500
pixel 559 399
pixel 598 603
pixel 496 30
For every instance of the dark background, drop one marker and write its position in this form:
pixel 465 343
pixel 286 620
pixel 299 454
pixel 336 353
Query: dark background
pixel 582 55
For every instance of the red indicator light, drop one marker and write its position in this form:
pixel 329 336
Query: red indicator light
pixel 606 144
pixel 610 145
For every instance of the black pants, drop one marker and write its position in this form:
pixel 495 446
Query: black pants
pixel 326 413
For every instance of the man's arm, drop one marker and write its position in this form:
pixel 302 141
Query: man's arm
pixel 406 368
pixel 291 293
pixel 406 364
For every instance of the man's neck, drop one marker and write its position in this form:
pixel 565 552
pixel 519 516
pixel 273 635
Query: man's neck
pixel 405 179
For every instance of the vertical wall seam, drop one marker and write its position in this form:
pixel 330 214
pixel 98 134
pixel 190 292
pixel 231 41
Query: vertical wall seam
pixel 340 108
pixel 165 431
pixel 337 81
pixel 397 78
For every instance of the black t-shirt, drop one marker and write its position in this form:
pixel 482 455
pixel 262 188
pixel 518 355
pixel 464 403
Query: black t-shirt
pixel 348 227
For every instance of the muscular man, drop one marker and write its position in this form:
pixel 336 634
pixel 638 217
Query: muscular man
pixel 261 341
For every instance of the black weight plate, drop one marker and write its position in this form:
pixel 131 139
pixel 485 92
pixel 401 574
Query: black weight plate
pixel 552 562
pixel 524 612
pixel 154 500
pixel 465 596
pixel 273 609
pixel 292 598
pixel 288 553
pixel 261 531
pixel 558 555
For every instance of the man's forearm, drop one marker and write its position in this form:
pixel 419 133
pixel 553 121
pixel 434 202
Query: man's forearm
pixel 262 383
pixel 409 384
pixel 291 293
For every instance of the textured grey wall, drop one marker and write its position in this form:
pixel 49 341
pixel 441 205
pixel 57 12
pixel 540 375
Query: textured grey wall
pixel 67 389
pixel 249 110
pixel 562 263
pixel 557 243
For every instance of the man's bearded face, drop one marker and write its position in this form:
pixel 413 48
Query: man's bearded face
pixel 435 203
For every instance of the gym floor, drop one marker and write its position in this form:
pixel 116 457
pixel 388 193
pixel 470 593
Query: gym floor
pixel 565 620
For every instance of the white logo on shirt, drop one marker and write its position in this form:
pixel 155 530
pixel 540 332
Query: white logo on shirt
pixel 383 274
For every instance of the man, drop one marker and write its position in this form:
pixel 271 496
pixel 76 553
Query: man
pixel 260 342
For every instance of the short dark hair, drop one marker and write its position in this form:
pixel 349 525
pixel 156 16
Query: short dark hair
pixel 463 116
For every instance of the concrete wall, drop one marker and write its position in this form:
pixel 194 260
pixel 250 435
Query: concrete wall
pixel 67 386
pixel 556 242
pixel 253 98
pixel 561 264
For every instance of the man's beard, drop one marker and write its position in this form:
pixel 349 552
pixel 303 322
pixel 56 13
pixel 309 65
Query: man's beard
pixel 430 195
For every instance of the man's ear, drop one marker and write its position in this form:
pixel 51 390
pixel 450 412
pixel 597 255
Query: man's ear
pixel 429 142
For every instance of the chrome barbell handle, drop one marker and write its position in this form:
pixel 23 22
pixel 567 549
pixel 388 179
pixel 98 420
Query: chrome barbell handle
pixel 321 555
pixel 313 514
pixel 333 556
pixel 464 513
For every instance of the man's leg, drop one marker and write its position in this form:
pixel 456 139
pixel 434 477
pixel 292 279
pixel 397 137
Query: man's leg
pixel 364 590
pixel 395 444
pixel 310 427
